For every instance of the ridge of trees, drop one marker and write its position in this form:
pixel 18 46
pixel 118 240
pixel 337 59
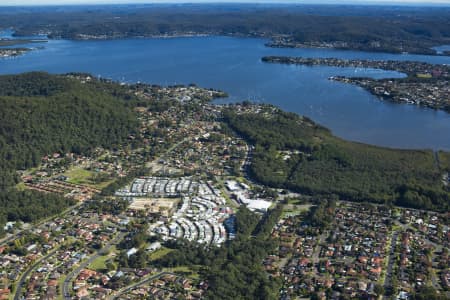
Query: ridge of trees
pixel 294 153
pixel 42 114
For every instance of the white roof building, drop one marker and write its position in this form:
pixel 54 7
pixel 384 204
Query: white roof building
pixel 154 246
pixel 132 251
pixel 258 205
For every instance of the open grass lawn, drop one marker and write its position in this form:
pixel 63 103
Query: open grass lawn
pixel 78 175
pixel 60 285
pixel 99 263
pixel 294 210
pixel 21 186
pixel 189 272
pixel 160 253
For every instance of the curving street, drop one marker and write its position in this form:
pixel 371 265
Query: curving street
pixel 143 281
pixel 27 273
pixel 74 273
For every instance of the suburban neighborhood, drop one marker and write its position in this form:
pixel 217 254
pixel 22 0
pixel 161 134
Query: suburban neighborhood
pixel 186 184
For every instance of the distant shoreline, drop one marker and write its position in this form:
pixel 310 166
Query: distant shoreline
pixel 425 84
pixel 273 42
pixel 7 42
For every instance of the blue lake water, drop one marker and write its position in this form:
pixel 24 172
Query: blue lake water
pixel 234 65
pixel 441 49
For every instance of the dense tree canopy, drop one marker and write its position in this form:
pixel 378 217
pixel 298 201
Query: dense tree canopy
pixel 293 152
pixel 41 114
pixel 47 114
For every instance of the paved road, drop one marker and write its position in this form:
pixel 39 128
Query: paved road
pixel 435 281
pixel 315 258
pixel 6 240
pixel 143 281
pixel 387 280
pixel 74 273
pixel 248 157
pixel 28 272
pixel 18 234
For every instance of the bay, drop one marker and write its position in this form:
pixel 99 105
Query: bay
pixel 234 65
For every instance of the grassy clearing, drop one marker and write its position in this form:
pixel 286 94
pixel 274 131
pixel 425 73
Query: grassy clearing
pixel 297 201
pixel 21 186
pixel 188 272
pixel 160 253
pixel 60 285
pixel 78 175
pixel 178 269
pixel 294 210
pixel 99 263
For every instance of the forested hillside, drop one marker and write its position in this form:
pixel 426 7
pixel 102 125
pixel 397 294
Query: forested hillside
pixel 41 114
pixel 293 152
pixel 380 28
